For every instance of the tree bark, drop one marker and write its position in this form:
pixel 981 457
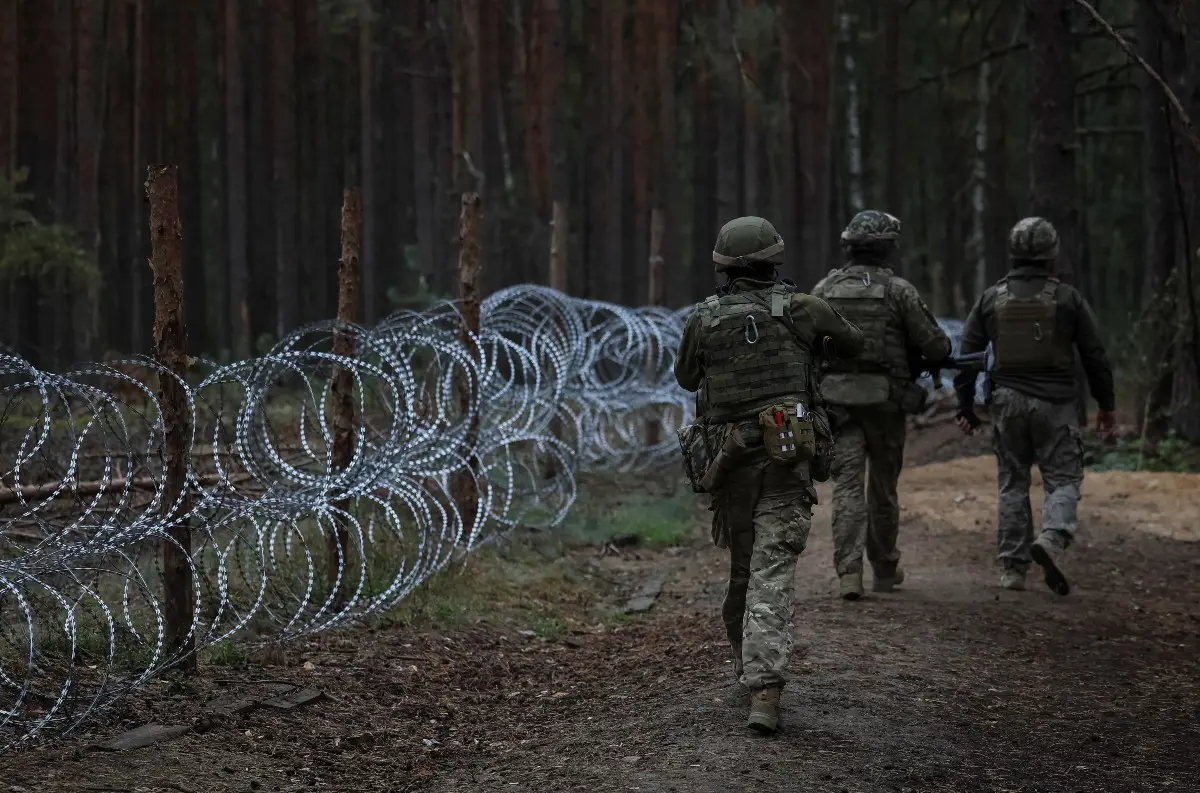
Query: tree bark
pixel 892 127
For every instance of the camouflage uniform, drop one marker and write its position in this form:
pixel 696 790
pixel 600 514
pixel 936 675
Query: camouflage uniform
pixel 1035 325
pixel 869 396
pixel 750 349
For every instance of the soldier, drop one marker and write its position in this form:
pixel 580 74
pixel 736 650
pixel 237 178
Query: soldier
pixel 752 349
pixel 1035 324
pixel 870 396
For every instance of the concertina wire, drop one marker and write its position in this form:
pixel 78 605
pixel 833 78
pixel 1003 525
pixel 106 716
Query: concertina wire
pixel 554 387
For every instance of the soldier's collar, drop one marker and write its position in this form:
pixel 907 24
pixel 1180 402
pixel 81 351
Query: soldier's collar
pixel 861 265
pixel 746 284
pixel 1029 271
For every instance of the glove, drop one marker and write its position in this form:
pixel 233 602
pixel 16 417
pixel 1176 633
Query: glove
pixel 966 420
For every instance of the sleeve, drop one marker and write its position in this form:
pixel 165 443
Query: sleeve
pixel 974 339
pixel 831 327
pixel 688 371
pixel 922 330
pixel 1091 350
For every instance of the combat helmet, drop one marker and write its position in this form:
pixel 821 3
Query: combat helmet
pixel 1033 239
pixel 746 241
pixel 871 227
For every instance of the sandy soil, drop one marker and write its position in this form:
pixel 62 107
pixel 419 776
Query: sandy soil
pixel 949 684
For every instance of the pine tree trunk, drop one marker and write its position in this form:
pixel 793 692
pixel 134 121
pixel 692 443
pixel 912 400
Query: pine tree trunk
pixel 9 84
pixel 1162 218
pixel 283 99
pixel 703 167
pixel 614 258
pixel 372 288
pixel 1185 402
pixel 811 86
pixel 1053 193
pixel 235 198
pixel 9 89
pixel 553 84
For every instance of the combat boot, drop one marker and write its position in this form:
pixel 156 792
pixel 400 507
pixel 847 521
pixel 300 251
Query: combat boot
pixel 1047 551
pixel 887 577
pixel 764 709
pixel 1014 579
pixel 850 586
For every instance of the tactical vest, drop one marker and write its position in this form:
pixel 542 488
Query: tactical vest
pixel 861 297
pixel 751 355
pixel 1027 333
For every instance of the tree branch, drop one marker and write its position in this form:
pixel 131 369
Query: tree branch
pixel 1189 129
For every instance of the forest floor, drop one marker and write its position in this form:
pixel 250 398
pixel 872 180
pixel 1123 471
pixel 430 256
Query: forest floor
pixel 523 674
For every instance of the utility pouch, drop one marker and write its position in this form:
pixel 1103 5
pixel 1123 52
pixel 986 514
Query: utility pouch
pixel 696 458
pixel 910 397
pixel 733 448
pixel 788 433
pixel 821 465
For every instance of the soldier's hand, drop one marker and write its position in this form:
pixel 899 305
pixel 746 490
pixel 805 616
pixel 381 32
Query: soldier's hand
pixel 1106 421
pixel 967 421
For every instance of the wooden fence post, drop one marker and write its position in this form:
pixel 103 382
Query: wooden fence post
pixel 559 239
pixel 349 312
pixel 170 340
pixel 465 489
pixel 658 297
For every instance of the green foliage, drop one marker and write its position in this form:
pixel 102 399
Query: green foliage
pixel 48 253
pixel 657 520
pixel 1171 455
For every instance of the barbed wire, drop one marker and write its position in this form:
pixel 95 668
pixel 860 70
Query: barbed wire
pixel 551 387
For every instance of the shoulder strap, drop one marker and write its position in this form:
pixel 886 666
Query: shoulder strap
pixel 1051 287
pixel 713 304
pixel 780 300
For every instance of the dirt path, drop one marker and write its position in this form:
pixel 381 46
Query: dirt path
pixel 948 685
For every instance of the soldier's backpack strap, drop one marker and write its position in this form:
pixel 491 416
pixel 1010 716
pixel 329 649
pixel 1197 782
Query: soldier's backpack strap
pixel 712 304
pixel 1050 288
pixel 779 299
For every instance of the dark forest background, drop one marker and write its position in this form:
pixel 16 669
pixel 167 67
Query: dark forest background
pixel 595 130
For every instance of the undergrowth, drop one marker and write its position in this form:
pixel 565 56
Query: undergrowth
pixel 1170 455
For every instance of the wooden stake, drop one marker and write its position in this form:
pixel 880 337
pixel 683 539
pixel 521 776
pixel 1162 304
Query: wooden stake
pixel 170 340
pixel 349 313
pixel 558 247
pixel 657 288
pixel 465 489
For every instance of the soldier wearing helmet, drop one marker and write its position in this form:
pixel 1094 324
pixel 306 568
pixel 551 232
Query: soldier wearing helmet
pixel 1035 325
pixel 869 398
pixel 753 348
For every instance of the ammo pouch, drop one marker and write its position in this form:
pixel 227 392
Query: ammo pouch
pixel 856 389
pixel 788 433
pixel 910 397
pixel 696 458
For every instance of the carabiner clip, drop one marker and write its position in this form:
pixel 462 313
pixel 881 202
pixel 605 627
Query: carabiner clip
pixel 1037 331
pixel 751 325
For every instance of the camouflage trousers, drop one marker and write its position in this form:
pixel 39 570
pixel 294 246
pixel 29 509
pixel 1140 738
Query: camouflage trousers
pixel 1029 430
pixel 868 454
pixel 766 511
